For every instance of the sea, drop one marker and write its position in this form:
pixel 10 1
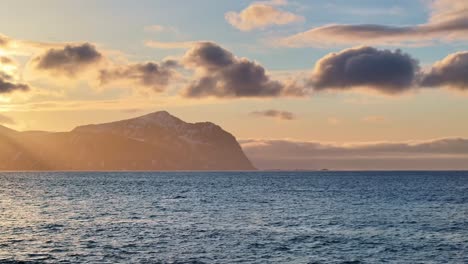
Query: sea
pixel 234 217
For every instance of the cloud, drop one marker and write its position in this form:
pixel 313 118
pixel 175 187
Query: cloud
pixel 221 74
pixel 9 86
pixel 448 22
pixel 155 28
pixel 282 115
pixel 448 153
pixel 273 2
pixel 169 45
pixel 6 61
pixel 371 11
pixel 386 71
pixel 69 60
pixel 333 121
pixel 5 120
pixel 8 81
pixel 161 28
pixel 373 119
pixel 451 72
pixel 209 55
pixel 261 15
pixel 4 40
pixel 150 74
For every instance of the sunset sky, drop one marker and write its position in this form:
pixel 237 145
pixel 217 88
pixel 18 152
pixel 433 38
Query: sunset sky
pixel 322 71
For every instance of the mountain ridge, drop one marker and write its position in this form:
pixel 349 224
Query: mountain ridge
pixel 156 141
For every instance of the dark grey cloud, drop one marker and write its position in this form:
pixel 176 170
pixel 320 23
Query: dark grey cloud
pixel 209 55
pixel 8 83
pixel 449 153
pixel 9 86
pixel 243 79
pixel 69 60
pixel 150 74
pixel 221 74
pixel 283 115
pixel 382 70
pixel 452 72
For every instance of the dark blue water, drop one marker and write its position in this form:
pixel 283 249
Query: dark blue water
pixel 278 217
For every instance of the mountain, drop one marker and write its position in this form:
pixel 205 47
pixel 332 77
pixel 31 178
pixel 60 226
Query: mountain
pixel 157 141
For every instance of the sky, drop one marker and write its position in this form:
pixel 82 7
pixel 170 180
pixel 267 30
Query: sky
pixel 337 73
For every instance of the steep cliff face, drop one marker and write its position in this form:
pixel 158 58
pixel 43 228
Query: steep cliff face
pixel 157 141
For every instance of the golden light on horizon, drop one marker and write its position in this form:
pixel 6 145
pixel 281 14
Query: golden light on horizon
pixel 279 131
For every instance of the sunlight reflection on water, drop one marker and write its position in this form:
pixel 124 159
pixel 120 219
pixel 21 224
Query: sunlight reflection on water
pixel 251 217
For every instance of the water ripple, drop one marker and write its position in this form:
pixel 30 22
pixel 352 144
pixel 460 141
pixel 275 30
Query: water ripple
pixel 254 217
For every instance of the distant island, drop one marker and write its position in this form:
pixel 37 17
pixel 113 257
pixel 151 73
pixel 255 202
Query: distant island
pixel 157 141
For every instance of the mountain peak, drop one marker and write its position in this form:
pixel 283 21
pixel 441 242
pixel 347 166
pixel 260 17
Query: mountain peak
pixel 160 113
pixel 162 118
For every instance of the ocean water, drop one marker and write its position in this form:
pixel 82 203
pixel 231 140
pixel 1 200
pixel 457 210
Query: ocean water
pixel 234 217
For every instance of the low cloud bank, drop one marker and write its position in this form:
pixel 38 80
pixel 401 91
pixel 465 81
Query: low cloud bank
pixel 439 154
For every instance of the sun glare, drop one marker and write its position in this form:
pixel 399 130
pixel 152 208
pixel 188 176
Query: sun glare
pixel 8 69
pixel 4 99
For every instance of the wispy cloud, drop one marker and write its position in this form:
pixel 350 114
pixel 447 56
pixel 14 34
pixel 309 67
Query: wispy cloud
pixel 273 113
pixel 169 45
pixel 368 11
pixel 373 119
pixel 448 22
pixel 156 76
pixel 260 15
pixel 161 28
pixel 333 121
